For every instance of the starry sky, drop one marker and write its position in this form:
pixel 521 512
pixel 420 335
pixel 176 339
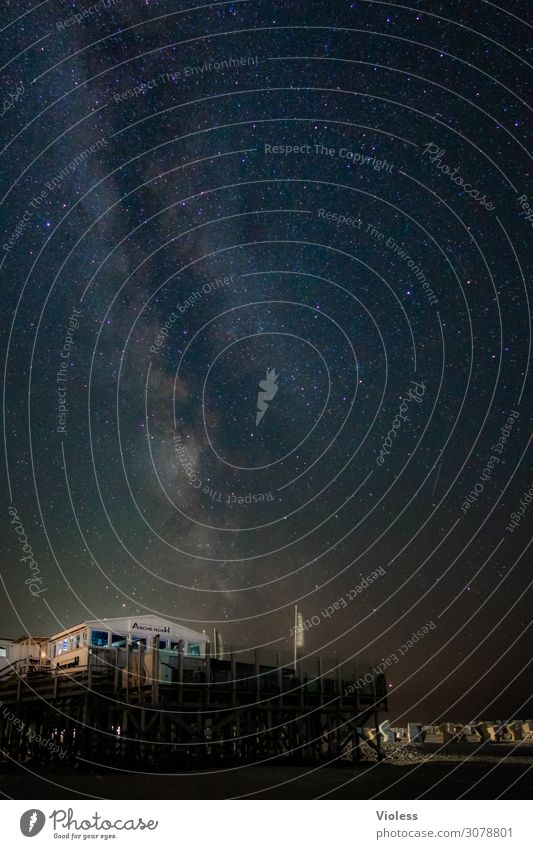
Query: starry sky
pixel 195 195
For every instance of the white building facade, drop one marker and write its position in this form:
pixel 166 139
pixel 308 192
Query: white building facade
pixel 71 648
pixel 19 655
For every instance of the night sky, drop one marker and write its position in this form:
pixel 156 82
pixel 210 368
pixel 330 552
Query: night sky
pixel 327 198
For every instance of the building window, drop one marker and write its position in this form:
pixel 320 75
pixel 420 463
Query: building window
pixel 118 641
pixel 78 640
pixel 3 651
pixel 84 637
pixel 99 638
pixel 138 641
pixel 194 649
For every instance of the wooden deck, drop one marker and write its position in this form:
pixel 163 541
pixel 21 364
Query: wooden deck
pixel 192 712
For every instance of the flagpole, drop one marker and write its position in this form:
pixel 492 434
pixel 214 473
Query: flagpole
pixel 295 634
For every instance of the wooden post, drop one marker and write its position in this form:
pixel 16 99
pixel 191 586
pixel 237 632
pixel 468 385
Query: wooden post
pixel 140 671
pixel 330 735
pixel 376 720
pixel 320 682
pixel 180 671
pixel 207 689
pixel 156 666
pixel 356 750
pixel 233 679
pixel 128 652
pixel 124 729
pixel 340 697
pixel 142 746
pixel 117 671
pixel 356 689
pixel 82 744
pixel 257 678
pixel 302 686
pixel 339 681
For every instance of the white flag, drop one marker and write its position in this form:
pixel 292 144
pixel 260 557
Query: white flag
pixel 299 631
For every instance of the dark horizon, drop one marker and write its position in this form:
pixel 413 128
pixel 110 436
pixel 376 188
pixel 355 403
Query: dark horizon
pixel 267 333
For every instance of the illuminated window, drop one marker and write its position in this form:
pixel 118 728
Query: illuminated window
pixel 99 638
pixel 118 641
pixel 3 651
pixel 194 649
